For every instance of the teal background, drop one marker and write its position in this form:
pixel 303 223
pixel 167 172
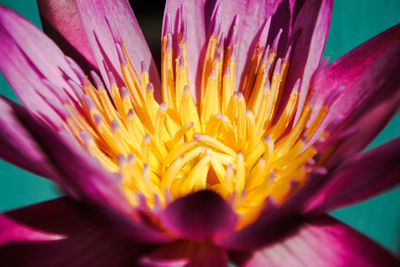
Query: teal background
pixel 353 22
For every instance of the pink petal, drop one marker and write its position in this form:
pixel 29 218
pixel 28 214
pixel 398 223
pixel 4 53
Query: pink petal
pixel 17 146
pixel 85 179
pixel 28 59
pixel 201 215
pixel 61 21
pixel 56 233
pixel 187 253
pixel 378 99
pixel 320 241
pixel 309 35
pixel 360 177
pixel 366 74
pixel 107 22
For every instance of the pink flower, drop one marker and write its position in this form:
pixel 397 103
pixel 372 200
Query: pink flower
pixel 235 154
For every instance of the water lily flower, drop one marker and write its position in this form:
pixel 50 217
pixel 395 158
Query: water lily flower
pixel 233 150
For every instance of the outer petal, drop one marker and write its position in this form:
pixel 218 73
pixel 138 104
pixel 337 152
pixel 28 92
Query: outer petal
pixel 378 100
pixel 107 22
pixel 366 74
pixel 28 57
pixel 346 70
pixel 17 146
pixel 55 233
pixel 201 215
pixel 321 241
pixel 61 21
pixel 187 253
pixel 84 178
pixel 360 177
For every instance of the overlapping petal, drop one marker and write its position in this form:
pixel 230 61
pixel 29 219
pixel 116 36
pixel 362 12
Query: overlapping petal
pixel 366 75
pixel 320 241
pixel 25 47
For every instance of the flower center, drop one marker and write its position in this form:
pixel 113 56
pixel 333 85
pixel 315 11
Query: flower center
pixel 235 142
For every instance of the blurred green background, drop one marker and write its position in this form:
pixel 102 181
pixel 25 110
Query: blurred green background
pixel 353 22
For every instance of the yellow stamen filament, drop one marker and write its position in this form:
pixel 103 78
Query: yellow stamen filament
pixel 241 144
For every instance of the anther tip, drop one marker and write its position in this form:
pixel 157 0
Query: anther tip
pixel 150 87
pixel 114 125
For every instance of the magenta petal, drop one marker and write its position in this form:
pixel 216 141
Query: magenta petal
pixel 17 146
pixel 355 72
pixel 61 21
pixel 198 216
pixel 320 241
pixel 186 253
pixel 361 177
pixel 370 103
pixel 56 233
pixel 107 22
pixel 309 35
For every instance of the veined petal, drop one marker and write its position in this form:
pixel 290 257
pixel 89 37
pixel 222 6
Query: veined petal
pixel 107 22
pixel 53 233
pixel 85 179
pixel 28 59
pixel 201 215
pixel 320 241
pixel 186 253
pixel 17 146
pixel 61 21
pixel 360 177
